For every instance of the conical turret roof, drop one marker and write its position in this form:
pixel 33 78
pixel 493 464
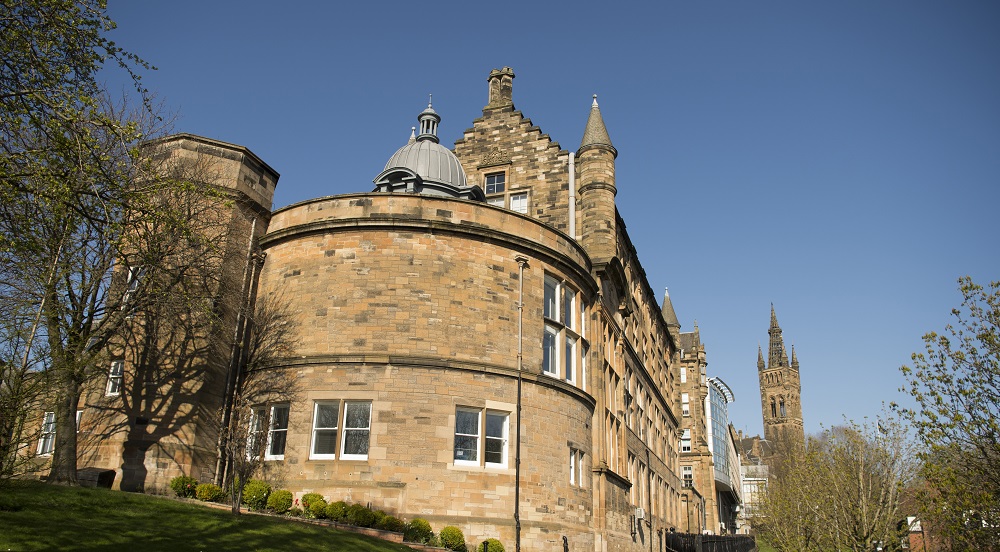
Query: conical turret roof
pixel 596 134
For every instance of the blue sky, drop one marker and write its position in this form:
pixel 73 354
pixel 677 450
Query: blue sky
pixel 839 159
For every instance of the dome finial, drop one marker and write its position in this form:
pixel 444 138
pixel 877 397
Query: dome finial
pixel 595 101
pixel 429 120
pixel 413 135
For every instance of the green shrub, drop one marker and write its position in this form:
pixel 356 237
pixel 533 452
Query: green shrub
pixel 280 501
pixel 209 492
pixel 295 512
pixel 379 516
pixel 255 494
pixel 492 545
pixel 452 538
pixel 308 499
pixel 360 515
pixel 184 486
pixel 391 523
pixel 418 530
pixel 337 511
pixel 317 508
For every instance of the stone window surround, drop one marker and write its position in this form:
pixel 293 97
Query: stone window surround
pixel 564 316
pixel 47 438
pixel 483 436
pixel 267 415
pixel 355 429
pixel 116 374
pixel 340 429
pixel 576 471
pixel 504 197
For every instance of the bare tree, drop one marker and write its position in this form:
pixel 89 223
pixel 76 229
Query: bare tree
pixel 843 492
pixel 245 435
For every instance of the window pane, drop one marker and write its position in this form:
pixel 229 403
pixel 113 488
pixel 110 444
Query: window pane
pixel 325 428
pixel 572 467
pixel 567 306
pixel 279 417
pixel 467 422
pixel 495 182
pixel 466 448
pixel 49 424
pixel 326 415
pixel 277 447
pixel 356 441
pixel 495 424
pixel 357 419
pixel 519 203
pixel 550 364
pixel 570 358
pixel 551 286
pixel 496 201
pixel 496 437
pixel 494 451
pixel 356 415
pixel 326 441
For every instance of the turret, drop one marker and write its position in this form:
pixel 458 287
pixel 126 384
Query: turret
pixel 596 162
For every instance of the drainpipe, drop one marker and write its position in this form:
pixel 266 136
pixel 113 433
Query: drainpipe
pixel 572 194
pixel 522 261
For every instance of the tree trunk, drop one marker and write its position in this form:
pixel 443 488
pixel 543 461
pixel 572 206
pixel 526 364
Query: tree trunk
pixel 63 469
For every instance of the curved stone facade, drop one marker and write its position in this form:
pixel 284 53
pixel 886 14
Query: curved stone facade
pixel 409 302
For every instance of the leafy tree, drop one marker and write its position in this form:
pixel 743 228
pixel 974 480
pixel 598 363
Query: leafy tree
pixel 955 383
pixel 99 235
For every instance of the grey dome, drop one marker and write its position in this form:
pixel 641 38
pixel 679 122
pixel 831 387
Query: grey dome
pixel 423 166
pixel 432 161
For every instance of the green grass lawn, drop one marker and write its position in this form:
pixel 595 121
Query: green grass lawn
pixel 37 516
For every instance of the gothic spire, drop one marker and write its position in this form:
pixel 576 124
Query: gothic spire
pixel 776 355
pixel 596 134
pixel 760 358
pixel 795 359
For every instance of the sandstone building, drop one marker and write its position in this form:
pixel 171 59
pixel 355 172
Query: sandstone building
pixel 710 454
pixel 475 337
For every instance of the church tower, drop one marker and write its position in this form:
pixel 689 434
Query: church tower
pixel 780 391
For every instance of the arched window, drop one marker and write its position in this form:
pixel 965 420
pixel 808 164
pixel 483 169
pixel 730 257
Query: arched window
pixel 773 413
pixel 782 407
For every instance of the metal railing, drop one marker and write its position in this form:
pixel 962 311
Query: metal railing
pixel 685 542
